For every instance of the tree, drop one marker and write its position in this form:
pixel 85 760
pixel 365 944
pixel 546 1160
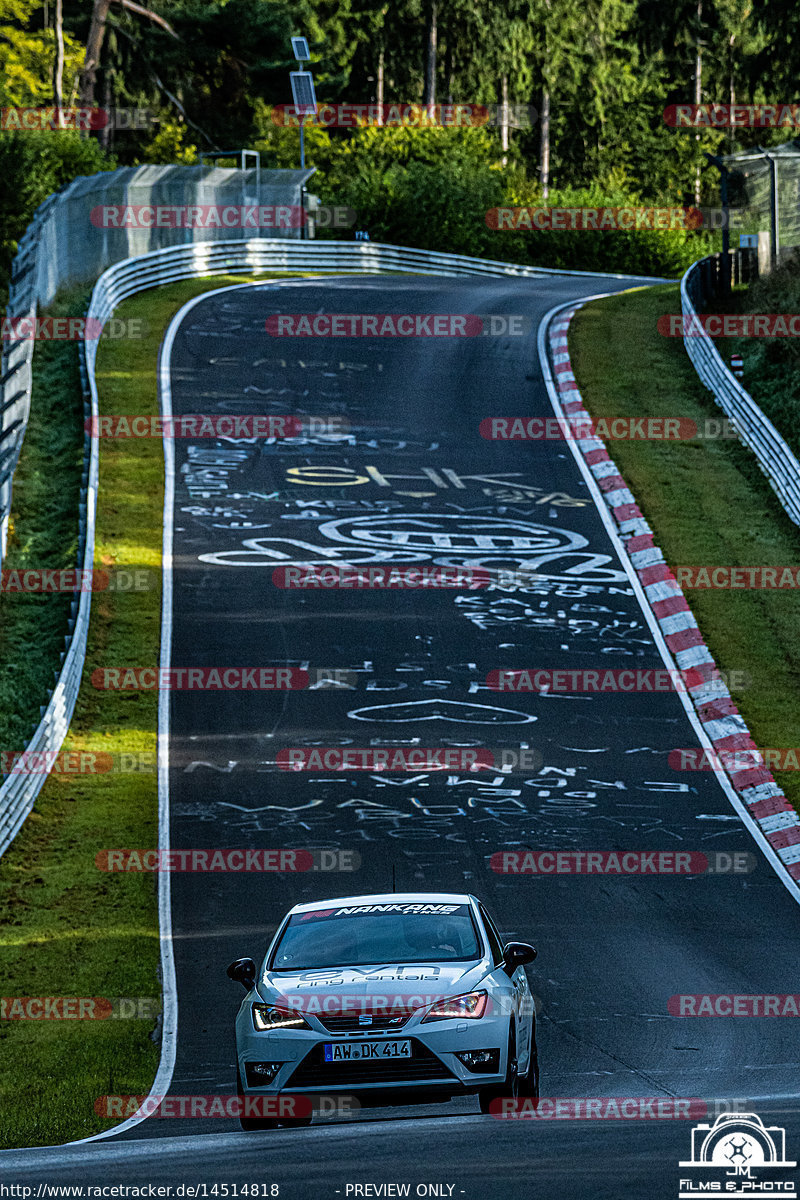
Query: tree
pixel 94 45
pixel 58 65
pixel 94 42
pixel 27 55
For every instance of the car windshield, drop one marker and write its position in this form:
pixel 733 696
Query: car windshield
pixel 368 934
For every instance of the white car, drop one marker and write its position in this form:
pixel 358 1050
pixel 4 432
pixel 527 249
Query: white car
pixel 391 999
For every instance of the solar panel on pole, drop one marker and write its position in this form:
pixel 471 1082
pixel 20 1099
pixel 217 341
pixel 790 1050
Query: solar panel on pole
pixel 303 94
pixel 300 49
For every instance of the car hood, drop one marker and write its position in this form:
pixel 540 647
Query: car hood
pixel 409 983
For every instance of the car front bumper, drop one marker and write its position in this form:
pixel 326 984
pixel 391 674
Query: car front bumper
pixel 434 1065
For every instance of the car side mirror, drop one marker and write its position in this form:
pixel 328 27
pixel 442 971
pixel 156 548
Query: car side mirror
pixel 516 954
pixel 243 971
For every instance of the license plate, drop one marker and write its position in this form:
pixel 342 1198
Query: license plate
pixel 354 1051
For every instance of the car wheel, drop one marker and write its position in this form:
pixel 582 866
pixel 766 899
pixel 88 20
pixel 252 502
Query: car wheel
pixel 529 1084
pixel 511 1085
pixel 296 1122
pixel 252 1124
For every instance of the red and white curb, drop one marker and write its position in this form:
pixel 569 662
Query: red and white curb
pixel 723 723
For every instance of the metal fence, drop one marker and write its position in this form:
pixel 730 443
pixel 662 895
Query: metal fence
pixel 765 184
pixel 700 285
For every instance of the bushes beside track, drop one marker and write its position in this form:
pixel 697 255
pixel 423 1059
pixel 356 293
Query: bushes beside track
pixel 432 189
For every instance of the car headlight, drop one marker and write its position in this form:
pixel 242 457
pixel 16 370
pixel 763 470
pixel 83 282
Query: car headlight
pixel 471 1007
pixel 267 1017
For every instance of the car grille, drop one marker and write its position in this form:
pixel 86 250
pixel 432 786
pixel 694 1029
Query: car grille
pixel 315 1072
pixel 389 1019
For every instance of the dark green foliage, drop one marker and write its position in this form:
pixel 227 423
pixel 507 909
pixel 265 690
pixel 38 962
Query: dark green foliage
pixel 32 167
pixel 610 68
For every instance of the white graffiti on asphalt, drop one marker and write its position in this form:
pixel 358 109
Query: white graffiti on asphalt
pixel 442 710
pixel 446 539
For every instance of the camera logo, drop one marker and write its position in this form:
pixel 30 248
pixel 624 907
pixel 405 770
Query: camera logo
pixel 735 1146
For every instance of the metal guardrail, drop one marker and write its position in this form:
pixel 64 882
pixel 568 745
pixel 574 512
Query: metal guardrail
pixel 15 393
pixel 18 793
pixel 268 254
pixel 776 460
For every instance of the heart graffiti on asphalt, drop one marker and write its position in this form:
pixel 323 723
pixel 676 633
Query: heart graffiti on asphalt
pixel 442 710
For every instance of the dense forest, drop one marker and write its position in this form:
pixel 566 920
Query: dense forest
pixel 592 80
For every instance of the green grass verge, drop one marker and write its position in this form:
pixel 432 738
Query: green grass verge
pixel 707 503
pixel 66 928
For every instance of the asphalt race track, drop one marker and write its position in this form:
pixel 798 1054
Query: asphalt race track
pixel 414 483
